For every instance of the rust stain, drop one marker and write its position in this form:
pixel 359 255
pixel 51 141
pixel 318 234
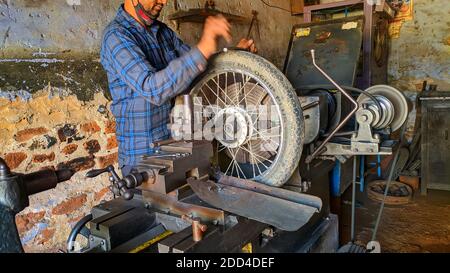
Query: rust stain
pixel 35 3
pixel 447 41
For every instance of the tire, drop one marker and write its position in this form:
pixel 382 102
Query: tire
pixel 282 94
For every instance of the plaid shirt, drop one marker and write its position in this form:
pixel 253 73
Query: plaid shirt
pixel 146 68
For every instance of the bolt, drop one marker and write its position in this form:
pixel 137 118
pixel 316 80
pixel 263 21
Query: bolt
pixel 92 238
pixel 102 242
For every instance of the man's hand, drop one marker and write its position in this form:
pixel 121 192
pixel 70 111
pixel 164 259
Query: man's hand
pixel 214 28
pixel 248 45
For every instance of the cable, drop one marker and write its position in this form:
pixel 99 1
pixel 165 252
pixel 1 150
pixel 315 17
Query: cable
pixel 276 7
pixel 391 174
pixel 348 88
pixel 333 11
pixel 77 229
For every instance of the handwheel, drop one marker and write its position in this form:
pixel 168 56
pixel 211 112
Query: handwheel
pixel 256 114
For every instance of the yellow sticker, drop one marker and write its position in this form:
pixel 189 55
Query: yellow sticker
pixel 248 248
pixel 302 32
pixel 349 25
pixel 151 242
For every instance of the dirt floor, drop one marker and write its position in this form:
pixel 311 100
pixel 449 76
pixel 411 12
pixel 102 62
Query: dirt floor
pixel 421 226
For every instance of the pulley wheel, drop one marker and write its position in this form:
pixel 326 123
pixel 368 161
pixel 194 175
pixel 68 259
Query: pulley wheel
pixel 396 98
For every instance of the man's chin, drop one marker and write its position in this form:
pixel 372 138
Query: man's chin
pixel 155 16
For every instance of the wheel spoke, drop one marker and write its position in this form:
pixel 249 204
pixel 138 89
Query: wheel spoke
pixel 253 165
pixel 229 165
pixel 222 149
pixel 256 157
pixel 246 94
pixel 237 164
pixel 220 89
pixel 242 88
pixel 218 97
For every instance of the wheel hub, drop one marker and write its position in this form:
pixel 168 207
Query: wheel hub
pixel 233 126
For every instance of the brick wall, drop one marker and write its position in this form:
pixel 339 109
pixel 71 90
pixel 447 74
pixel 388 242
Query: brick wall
pixel 57 132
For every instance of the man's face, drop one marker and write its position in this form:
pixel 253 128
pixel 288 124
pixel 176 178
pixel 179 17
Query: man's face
pixel 152 7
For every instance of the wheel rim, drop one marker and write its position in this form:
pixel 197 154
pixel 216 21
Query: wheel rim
pixel 247 122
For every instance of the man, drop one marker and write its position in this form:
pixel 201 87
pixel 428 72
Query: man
pixel 147 66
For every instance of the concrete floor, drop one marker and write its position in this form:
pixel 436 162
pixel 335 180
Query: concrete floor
pixel 421 226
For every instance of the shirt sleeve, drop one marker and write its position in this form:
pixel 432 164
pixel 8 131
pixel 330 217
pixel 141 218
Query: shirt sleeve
pixel 134 69
pixel 180 46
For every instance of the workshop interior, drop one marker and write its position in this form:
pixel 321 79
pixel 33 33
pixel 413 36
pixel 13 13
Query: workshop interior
pixel 331 138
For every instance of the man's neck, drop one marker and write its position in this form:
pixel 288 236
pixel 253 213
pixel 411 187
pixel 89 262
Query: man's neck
pixel 129 8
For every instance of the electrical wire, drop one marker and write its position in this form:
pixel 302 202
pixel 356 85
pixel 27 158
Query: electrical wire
pixel 333 11
pixel 389 180
pixel 276 7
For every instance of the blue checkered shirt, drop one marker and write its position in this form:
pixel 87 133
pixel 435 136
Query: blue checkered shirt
pixel 146 68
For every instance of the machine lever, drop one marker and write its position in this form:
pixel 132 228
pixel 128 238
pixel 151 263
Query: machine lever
pixel 97 172
pixel 122 187
pixel 352 112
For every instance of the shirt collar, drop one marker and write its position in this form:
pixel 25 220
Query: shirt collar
pixel 124 18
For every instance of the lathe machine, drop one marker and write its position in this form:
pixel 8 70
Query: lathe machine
pixel 257 180
pixel 245 187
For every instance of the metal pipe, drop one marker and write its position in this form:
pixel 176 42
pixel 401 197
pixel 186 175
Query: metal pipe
pixel 198 229
pixel 44 180
pixel 76 230
pixel 352 227
pixel 355 104
pixel 188 116
pixel 380 212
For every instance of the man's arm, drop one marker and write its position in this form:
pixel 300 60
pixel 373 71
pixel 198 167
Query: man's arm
pixel 180 46
pixel 156 86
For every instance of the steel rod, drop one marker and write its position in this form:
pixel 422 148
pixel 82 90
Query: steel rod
pixel 347 95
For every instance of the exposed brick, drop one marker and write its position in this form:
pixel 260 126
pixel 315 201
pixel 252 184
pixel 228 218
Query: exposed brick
pixel 92 146
pixel 46 235
pixel 110 127
pixel 104 161
pixel 90 127
pixel 14 159
pixel 111 143
pixel 44 142
pixel 99 195
pixel 70 149
pixel 78 164
pixel 28 134
pixel 43 157
pixel 50 141
pixel 70 205
pixel 26 222
pixel 68 130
